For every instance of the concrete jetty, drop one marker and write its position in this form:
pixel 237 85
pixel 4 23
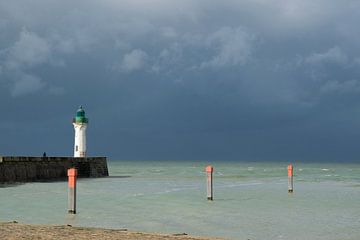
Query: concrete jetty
pixel 31 169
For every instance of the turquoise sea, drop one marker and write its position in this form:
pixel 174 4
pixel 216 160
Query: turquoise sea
pixel 250 200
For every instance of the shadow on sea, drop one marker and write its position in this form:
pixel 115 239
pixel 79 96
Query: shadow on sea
pixel 118 177
pixel 7 185
pixel 16 184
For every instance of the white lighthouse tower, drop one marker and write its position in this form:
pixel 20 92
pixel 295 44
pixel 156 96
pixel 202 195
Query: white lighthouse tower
pixel 80 123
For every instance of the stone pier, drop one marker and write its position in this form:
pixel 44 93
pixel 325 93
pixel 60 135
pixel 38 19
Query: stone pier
pixel 31 169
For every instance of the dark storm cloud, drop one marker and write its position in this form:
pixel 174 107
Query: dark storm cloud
pixel 234 80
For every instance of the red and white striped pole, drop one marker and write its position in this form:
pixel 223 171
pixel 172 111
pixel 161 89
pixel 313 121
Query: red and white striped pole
pixel 72 174
pixel 209 182
pixel 290 179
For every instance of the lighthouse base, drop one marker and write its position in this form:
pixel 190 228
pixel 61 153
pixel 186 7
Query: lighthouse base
pixel 31 169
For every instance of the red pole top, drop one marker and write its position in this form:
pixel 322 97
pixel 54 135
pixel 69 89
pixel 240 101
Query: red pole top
pixel 290 170
pixel 209 169
pixel 72 172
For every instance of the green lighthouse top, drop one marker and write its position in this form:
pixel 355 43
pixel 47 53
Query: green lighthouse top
pixel 80 116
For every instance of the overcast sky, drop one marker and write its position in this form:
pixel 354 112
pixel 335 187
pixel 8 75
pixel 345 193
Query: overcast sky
pixel 182 79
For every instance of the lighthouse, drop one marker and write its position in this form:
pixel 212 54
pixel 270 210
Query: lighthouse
pixel 80 123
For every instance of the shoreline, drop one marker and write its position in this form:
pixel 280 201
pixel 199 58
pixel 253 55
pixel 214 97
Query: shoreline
pixel 14 230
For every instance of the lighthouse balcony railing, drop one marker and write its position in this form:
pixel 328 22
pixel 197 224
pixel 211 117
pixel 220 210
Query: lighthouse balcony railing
pixel 83 120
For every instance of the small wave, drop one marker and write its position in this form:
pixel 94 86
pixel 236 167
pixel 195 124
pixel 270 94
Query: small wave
pixel 240 185
pixel 138 194
pixel 325 169
pixel 172 190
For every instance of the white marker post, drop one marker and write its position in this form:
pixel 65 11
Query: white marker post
pixel 72 173
pixel 209 182
pixel 290 179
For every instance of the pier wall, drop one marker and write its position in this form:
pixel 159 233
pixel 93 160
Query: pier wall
pixel 29 169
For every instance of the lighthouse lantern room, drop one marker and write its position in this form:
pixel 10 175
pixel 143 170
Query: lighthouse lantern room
pixel 80 123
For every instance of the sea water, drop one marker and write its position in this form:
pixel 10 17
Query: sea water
pixel 250 200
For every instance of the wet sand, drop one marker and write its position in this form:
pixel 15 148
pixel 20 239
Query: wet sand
pixel 15 231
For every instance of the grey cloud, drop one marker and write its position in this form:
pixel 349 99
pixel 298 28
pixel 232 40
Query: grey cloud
pixel 27 84
pixel 28 51
pixel 306 13
pixel 169 32
pixel 61 45
pixel 121 45
pixel 133 61
pixel 333 55
pixel 357 61
pixel 232 46
pixel 169 59
pixel 54 90
pixel 3 24
pixel 344 87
